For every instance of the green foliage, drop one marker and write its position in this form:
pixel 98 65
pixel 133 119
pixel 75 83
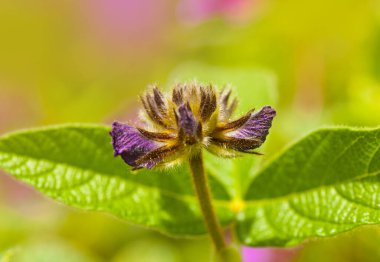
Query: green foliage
pixel 325 184
pixel 149 250
pixel 75 165
pixel 361 245
pixel 8 255
pixel 47 251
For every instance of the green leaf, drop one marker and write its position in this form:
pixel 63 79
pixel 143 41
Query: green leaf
pixel 8 255
pixel 47 250
pixel 74 164
pixel 327 183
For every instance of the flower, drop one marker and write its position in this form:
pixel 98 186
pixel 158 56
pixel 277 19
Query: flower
pixel 178 126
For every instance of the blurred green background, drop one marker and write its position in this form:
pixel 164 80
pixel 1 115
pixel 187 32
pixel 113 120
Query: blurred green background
pixel 317 62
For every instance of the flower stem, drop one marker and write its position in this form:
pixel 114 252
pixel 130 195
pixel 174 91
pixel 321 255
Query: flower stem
pixel 204 196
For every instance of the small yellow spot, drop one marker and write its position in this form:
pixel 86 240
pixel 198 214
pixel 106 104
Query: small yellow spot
pixel 237 205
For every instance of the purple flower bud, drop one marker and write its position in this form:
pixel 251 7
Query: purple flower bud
pixel 243 135
pixel 131 145
pixel 257 125
pixel 187 121
pixel 194 117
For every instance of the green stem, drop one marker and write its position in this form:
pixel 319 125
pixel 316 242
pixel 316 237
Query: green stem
pixel 204 196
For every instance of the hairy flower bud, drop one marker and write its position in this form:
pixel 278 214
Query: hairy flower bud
pixel 193 117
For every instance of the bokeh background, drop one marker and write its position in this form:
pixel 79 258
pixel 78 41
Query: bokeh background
pixel 317 62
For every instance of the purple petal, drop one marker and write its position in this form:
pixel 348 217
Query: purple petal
pixel 186 120
pixel 257 126
pixel 131 145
